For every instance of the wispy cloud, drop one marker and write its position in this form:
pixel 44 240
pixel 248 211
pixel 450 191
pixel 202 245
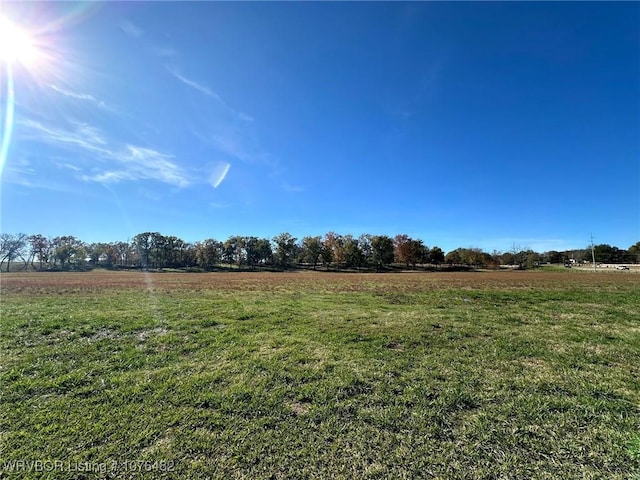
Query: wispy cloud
pixel 230 131
pixel 193 84
pixel 131 29
pixel 83 136
pixel 69 93
pixel 243 116
pixel 230 144
pixel 141 164
pixel 220 206
pixel 292 188
pixel 236 114
pixel 164 51
pixel 110 162
pixel 85 97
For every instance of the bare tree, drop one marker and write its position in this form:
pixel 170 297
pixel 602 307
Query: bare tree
pixel 12 247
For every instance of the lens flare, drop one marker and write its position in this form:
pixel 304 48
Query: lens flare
pixel 7 124
pixel 16 45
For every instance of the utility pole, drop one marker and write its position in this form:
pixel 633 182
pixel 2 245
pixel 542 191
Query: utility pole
pixel 593 254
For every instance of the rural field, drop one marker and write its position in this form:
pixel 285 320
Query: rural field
pixel 261 375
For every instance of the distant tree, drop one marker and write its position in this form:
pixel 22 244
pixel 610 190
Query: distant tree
pixel 12 247
pixel 417 252
pixel 381 251
pixel 158 254
pixel 79 258
pixel 470 256
pixel 173 251
pixel 408 251
pixel 208 253
pixel 605 253
pixel 95 251
pixel 553 256
pixel 507 258
pixel 189 255
pixel 126 253
pixel 532 260
pixel 401 248
pixel 634 252
pixel 251 251
pixel 334 248
pixel 142 245
pixel 436 256
pixel 364 243
pixel 264 251
pixel 233 250
pixel 111 254
pixel 453 257
pixel 602 253
pixel 519 255
pixel 327 255
pixel 285 248
pixel 311 250
pixel 40 248
pixel 68 249
pixel 353 257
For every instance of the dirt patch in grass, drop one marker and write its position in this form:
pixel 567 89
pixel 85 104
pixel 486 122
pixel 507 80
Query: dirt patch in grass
pixel 391 286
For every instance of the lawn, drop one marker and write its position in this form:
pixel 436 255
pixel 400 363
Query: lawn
pixel 320 375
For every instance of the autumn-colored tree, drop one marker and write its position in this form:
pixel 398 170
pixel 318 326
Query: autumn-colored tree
pixel 408 251
pixel 334 247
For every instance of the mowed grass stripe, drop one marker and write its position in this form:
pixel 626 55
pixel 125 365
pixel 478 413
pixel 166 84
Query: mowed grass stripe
pixel 484 375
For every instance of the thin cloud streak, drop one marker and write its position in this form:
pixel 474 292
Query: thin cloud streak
pixel 164 51
pixel 69 93
pixel 220 206
pixel 292 188
pixel 238 115
pixel 231 145
pixel 85 137
pixel 131 29
pixel 195 85
pixel 124 163
pixel 86 97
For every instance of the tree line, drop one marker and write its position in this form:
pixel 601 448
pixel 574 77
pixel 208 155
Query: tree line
pixel 153 250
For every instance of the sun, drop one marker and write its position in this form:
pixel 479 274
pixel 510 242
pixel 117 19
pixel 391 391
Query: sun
pixel 16 45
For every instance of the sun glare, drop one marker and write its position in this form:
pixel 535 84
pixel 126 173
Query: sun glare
pixel 15 44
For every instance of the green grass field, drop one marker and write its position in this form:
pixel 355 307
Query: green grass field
pixel 320 375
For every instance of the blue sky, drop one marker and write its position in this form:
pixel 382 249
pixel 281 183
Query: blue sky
pixel 478 124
